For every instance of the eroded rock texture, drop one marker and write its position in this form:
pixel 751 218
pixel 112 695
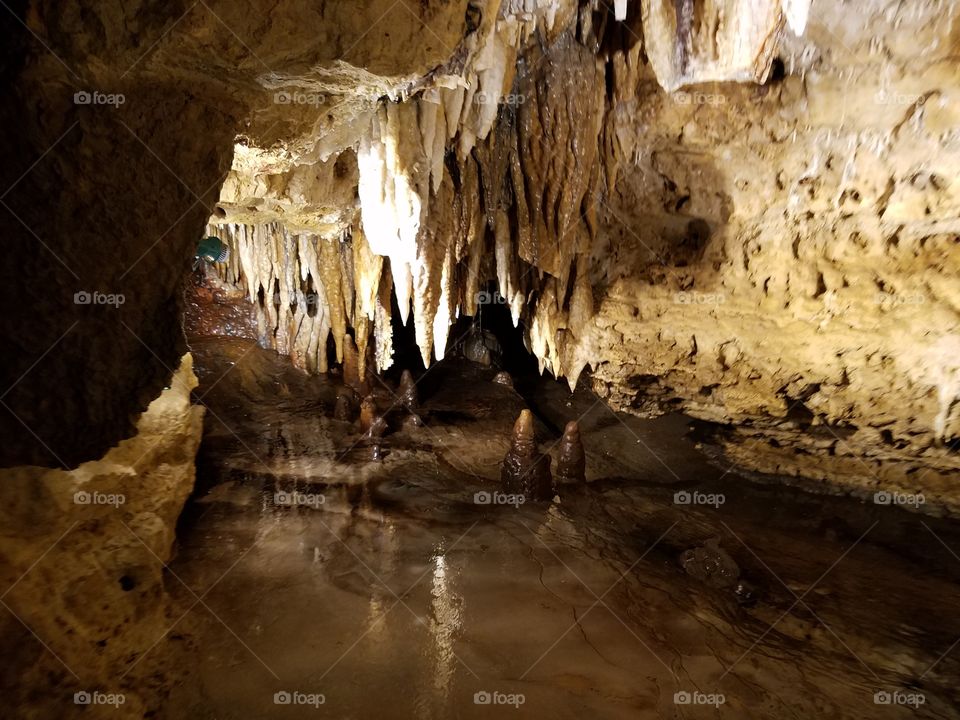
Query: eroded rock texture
pixel 82 561
pixel 785 258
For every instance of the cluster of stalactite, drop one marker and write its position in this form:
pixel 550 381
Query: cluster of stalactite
pixel 499 167
pixel 308 289
pixel 488 173
pixel 457 186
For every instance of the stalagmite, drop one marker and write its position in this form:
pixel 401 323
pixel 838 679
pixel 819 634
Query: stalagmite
pixel 368 413
pixel 351 367
pixel 524 470
pixel 408 392
pixel 503 378
pixel 571 466
pixel 344 408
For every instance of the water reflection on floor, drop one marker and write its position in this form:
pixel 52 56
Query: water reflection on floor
pixel 387 591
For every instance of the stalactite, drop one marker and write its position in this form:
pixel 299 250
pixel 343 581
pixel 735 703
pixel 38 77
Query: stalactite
pixel 383 331
pixel 733 40
pixel 331 272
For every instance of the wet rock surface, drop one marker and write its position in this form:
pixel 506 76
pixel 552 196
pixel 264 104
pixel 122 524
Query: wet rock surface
pixel 572 463
pixel 525 472
pixel 711 564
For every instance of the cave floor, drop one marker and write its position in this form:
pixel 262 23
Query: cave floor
pixel 391 593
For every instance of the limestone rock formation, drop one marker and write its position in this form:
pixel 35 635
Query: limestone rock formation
pixel 83 554
pixel 368 414
pixel 408 392
pixel 572 463
pixel 524 470
pixel 690 42
pixel 344 408
pixel 133 112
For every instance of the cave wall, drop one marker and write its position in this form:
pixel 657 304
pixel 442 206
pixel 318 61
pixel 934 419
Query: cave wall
pixel 82 560
pixel 126 118
pixel 785 257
